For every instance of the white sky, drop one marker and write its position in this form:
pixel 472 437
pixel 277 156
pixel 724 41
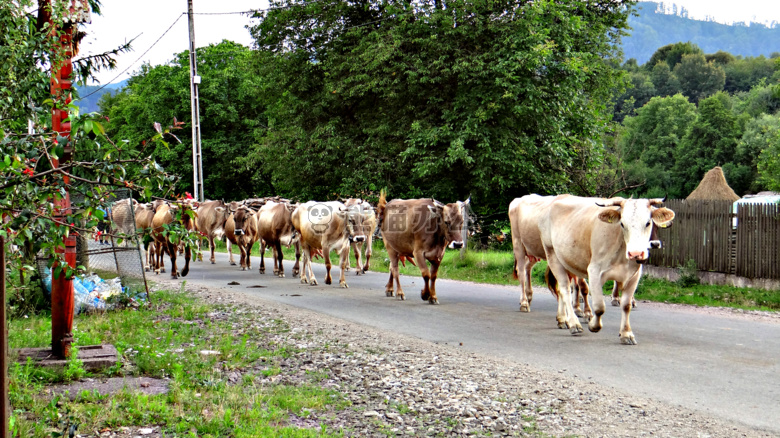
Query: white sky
pixel 123 20
pixel 730 11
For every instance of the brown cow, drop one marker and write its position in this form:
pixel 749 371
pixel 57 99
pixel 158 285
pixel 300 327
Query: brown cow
pixel 419 228
pixel 274 220
pixel 165 214
pixel 144 214
pixel 210 223
pixel 369 224
pixel 327 226
pixel 607 239
pixel 121 216
pixel 246 234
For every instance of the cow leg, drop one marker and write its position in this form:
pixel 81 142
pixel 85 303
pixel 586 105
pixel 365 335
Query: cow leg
pixel 187 256
pixel 200 247
pixel 565 311
pixel 626 335
pixel 230 252
pixel 425 294
pixel 393 256
pixel 356 247
pixel 615 295
pixel 344 262
pixel 523 266
pixel 599 307
pixel 304 273
pixel 326 253
pixel 296 270
pixel 249 255
pixel 279 255
pixel 262 257
pixel 584 291
pixel 369 245
pixel 212 246
pixel 575 292
pixel 173 252
pixel 434 273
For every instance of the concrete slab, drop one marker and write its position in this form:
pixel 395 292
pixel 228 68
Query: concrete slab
pixel 94 357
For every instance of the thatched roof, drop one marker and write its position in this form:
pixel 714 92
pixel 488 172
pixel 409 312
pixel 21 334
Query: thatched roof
pixel 713 187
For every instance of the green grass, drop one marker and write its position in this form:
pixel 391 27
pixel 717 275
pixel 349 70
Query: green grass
pixel 164 340
pixel 495 267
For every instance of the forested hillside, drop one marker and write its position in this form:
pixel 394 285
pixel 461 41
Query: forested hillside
pixel 89 95
pixel 652 29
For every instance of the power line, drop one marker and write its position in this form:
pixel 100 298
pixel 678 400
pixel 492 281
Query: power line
pixel 136 61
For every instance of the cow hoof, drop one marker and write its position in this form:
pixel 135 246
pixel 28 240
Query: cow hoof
pixel 389 293
pixel 304 281
pixel 213 262
pixel 232 263
pixel 615 302
pixel 433 301
pixel 594 327
pixel 281 275
pixel 401 297
pixel 365 268
pixel 313 282
pixel 633 304
pixel 525 308
pixel 276 272
pixel 347 269
pixel 576 330
pixel 295 273
pixel 628 339
pixel 562 325
pixel 262 271
pixel 344 286
pixel 328 281
pixel 424 295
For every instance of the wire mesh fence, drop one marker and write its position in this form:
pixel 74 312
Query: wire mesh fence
pixel 105 251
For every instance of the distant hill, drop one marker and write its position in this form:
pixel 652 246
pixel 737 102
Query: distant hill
pixel 653 29
pixel 89 102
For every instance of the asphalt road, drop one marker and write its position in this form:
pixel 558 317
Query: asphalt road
pixel 723 366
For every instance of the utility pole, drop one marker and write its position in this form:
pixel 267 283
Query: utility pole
pixel 197 163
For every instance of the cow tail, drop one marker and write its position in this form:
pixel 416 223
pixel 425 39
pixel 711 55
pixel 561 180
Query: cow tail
pixel 552 282
pixel 514 269
pixel 380 208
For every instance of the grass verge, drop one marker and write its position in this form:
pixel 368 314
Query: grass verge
pixel 221 368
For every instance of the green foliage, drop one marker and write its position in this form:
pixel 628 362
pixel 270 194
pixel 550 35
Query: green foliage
pixel 764 134
pixel 483 97
pixel 666 83
pixel 698 78
pixel 689 274
pixel 673 54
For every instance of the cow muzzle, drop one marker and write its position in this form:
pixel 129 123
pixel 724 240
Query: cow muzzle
pixel 360 238
pixel 456 244
pixel 239 232
pixel 637 256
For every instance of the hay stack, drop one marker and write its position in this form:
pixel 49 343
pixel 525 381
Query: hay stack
pixel 713 187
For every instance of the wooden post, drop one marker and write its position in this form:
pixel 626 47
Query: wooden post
pixel 5 407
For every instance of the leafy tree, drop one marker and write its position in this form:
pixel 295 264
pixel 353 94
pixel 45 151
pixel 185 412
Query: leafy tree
pixel 665 82
pixel 699 78
pixel 640 91
pixel 230 113
pixel 494 98
pixel 744 73
pixel 711 141
pixel 758 149
pixel 720 57
pixel 673 54
pixel 761 99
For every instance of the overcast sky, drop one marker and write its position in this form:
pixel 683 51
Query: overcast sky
pixel 122 21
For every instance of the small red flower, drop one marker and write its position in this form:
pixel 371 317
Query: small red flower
pixel 56 142
pixel 28 171
pixel 72 224
pixel 187 195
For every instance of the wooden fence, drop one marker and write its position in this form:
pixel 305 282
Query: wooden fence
pixel 746 244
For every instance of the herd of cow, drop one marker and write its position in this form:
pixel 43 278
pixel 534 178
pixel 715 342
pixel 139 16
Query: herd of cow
pixel 594 238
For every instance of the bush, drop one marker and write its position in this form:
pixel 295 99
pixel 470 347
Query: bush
pixel 25 298
pixel 689 274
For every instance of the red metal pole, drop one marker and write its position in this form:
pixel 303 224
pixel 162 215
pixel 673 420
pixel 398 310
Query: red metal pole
pixel 62 287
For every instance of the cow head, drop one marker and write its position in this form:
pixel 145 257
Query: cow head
pixel 450 220
pixel 353 218
pixel 241 217
pixel 636 218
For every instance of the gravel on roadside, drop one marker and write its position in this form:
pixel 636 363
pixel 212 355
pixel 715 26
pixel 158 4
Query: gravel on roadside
pixel 401 385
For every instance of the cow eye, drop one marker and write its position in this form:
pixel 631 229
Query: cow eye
pixel 648 224
pixel 621 225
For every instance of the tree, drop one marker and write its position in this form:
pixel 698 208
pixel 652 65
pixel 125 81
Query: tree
pixel 651 137
pixel 231 112
pixel 640 91
pixel 673 54
pixel 759 150
pixel 699 78
pixel 744 73
pixel 665 82
pixel 493 98
pixel 711 141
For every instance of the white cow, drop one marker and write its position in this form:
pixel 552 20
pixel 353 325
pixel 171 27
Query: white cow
pixel 607 239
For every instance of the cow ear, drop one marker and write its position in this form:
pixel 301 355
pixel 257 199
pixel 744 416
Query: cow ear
pixel 435 210
pixel 220 209
pixel 663 217
pixel 609 216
